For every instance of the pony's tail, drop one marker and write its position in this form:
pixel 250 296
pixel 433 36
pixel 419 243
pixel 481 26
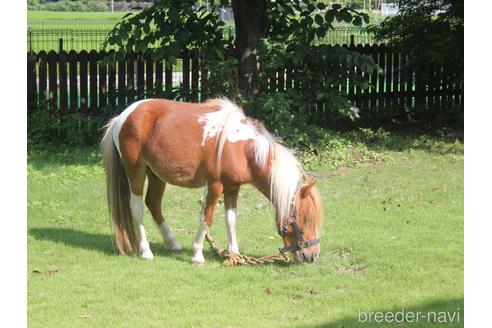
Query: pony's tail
pixel 118 193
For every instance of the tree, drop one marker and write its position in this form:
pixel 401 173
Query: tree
pixel 269 34
pixel 250 20
pixel 430 32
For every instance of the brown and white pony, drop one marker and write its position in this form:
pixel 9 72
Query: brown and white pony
pixel 211 144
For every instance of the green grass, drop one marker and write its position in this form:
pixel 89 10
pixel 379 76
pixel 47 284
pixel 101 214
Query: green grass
pixel 34 16
pixel 392 239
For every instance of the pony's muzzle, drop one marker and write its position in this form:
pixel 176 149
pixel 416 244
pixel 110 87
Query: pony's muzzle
pixel 306 255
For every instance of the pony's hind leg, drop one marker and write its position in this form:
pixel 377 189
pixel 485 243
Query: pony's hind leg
pixel 153 200
pixel 136 178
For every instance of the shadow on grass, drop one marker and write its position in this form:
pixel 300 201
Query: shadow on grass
pixel 441 312
pixel 104 243
pixel 51 155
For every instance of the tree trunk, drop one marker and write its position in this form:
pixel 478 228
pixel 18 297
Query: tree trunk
pixel 250 21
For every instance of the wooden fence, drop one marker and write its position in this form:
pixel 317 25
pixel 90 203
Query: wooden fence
pixel 79 81
pixel 82 82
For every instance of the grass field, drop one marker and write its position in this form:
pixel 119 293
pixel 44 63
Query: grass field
pixel 38 17
pixel 392 240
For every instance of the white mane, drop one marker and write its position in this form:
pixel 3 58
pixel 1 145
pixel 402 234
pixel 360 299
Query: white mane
pixel 286 174
pixel 230 124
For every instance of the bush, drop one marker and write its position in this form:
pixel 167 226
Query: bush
pixel 74 129
pixel 69 5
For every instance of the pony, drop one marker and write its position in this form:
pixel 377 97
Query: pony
pixel 212 145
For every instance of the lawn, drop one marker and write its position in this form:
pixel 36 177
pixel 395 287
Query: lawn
pixel 392 240
pixel 38 16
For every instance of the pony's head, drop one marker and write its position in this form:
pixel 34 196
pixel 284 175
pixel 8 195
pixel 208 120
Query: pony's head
pixel 301 229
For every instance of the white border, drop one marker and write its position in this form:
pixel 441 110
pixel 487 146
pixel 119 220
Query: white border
pixel 13 280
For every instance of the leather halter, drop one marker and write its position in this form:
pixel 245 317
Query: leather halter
pixel 282 231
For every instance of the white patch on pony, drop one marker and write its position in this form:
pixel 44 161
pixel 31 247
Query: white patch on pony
pixel 231 218
pixel 198 257
pixel 136 205
pixel 120 119
pixel 230 124
pixel 227 120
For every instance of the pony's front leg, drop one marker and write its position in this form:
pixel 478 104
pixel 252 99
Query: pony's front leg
pixel 230 204
pixel 206 217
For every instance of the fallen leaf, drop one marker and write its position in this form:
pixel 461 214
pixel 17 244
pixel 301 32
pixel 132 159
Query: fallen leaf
pixel 437 187
pixel 295 298
pixel 47 272
pixel 269 291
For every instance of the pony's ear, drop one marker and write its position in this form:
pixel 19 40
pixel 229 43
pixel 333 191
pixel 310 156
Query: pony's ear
pixel 306 188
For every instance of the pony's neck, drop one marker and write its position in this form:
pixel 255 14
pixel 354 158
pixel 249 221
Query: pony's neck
pixel 279 182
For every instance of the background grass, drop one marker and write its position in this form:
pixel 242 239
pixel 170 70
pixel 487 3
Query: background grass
pixel 392 239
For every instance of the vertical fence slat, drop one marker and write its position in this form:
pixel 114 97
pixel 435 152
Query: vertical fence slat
pixel 32 101
pixel 111 81
pixel 374 78
pixel 194 76
pixel 168 80
pixel 159 85
pixel 382 78
pixel 149 75
pixel 121 79
pixel 389 80
pixel 63 78
pixel 186 75
pixel 72 77
pixel 42 68
pixel 140 76
pixel 93 58
pixel 281 80
pixel 396 81
pixel 288 76
pixel 130 77
pixel 103 85
pixel 53 79
pixel 204 92
pixel 84 93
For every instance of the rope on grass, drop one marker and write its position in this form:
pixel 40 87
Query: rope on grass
pixel 232 259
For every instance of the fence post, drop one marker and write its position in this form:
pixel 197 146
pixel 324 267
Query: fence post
pixel 29 32
pixel 352 43
pixel 60 45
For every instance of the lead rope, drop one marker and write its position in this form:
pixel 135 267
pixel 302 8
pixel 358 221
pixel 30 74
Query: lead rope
pixel 233 259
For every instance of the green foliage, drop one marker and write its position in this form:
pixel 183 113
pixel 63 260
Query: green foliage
pixel 171 26
pixel 74 129
pixel 430 32
pixel 293 28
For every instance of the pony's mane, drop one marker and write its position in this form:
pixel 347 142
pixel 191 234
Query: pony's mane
pixel 286 173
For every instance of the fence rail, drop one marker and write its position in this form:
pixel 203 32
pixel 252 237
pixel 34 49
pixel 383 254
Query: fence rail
pixel 82 82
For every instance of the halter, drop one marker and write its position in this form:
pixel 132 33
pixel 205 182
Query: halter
pixel 282 231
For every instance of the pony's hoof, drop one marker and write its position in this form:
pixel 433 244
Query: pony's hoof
pixel 174 246
pixel 198 260
pixel 147 255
